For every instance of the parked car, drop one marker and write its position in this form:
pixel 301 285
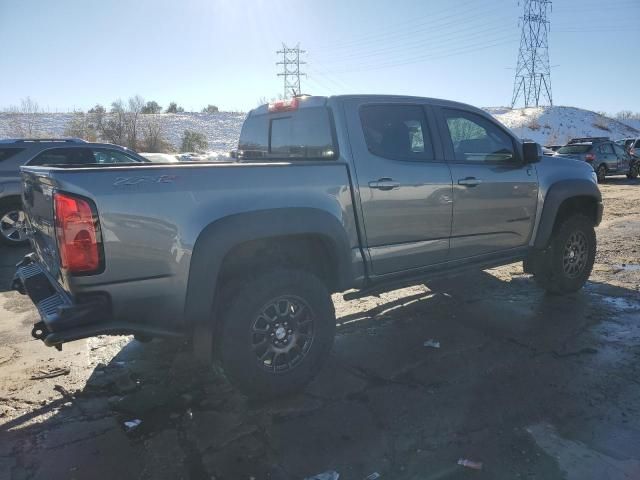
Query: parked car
pixel 606 157
pixel 554 148
pixel 160 157
pixel 45 151
pixel 364 194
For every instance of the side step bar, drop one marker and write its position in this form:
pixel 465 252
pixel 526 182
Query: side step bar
pixel 449 270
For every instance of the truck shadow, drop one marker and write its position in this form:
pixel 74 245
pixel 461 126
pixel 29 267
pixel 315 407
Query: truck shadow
pixel 9 256
pixel 509 356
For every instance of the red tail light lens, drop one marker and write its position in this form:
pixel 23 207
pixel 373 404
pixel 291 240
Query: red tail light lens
pixel 590 157
pixel 78 234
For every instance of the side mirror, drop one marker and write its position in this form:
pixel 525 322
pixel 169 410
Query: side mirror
pixel 531 152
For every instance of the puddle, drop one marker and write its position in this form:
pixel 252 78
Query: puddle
pixel 620 303
pixel 578 460
pixel 626 268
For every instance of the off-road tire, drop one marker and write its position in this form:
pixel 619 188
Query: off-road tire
pixel 553 268
pixel 6 207
pixel 247 306
pixel 601 173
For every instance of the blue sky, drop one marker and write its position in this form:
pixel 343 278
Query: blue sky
pixel 69 54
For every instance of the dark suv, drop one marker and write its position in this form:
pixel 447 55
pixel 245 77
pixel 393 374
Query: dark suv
pixel 17 152
pixel 605 156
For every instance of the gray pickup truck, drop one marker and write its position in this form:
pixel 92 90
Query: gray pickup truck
pixel 357 194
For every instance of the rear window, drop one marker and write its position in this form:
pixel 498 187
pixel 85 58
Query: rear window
pixel 304 134
pixel 6 153
pixel 574 149
pixel 64 156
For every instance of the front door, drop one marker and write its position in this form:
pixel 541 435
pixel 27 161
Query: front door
pixel 494 193
pixel 405 192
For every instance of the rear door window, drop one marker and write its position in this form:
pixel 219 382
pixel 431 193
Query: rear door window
pixel 606 148
pixel 64 156
pixel 7 153
pixel 397 132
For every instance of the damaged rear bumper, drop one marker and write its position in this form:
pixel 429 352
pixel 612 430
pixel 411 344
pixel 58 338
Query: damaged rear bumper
pixel 62 319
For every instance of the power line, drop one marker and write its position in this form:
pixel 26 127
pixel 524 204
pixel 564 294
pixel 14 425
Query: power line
pixel 291 69
pixel 533 74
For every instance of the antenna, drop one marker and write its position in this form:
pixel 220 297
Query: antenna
pixel 533 74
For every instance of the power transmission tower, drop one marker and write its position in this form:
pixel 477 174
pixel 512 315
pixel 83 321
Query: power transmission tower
pixel 533 73
pixel 291 69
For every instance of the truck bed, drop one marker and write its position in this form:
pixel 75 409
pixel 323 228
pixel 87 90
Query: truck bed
pixel 152 215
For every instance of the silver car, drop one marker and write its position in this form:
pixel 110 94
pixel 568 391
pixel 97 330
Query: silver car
pixel 46 151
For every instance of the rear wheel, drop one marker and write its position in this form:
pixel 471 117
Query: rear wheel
pixel 276 333
pixel 13 230
pixel 601 172
pixel 566 264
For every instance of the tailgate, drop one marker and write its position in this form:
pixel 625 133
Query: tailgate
pixel 37 197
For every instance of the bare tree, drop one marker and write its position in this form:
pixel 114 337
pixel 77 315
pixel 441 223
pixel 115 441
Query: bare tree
pixel 624 115
pixel 22 120
pixel 153 135
pixel 114 128
pixel 136 105
pixel 80 126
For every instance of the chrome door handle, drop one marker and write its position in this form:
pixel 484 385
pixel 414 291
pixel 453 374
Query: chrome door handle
pixel 384 184
pixel 469 181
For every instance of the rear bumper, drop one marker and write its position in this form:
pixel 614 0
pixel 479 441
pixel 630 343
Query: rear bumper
pixel 62 318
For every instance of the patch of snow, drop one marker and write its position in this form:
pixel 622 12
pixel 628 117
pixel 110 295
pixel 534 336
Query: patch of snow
pixel 556 125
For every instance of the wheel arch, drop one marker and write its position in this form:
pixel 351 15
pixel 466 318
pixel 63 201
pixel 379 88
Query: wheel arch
pixel 566 198
pixel 237 240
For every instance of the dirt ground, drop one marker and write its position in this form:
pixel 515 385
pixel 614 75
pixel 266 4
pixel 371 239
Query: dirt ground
pixel 532 386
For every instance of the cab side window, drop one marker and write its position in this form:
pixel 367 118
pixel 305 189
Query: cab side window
pixel 397 132
pixel 476 139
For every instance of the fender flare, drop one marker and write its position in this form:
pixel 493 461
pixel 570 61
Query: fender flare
pixel 557 194
pixel 218 238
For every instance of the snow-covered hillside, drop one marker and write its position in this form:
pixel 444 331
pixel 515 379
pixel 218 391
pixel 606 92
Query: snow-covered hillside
pixel 547 125
pixel 556 125
pixel 221 129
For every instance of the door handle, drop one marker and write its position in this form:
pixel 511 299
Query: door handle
pixel 384 184
pixel 469 181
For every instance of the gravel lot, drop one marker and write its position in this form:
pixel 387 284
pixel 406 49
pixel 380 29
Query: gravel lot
pixel 532 386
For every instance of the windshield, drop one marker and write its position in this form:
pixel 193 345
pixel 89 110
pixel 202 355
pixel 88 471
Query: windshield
pixel 574 149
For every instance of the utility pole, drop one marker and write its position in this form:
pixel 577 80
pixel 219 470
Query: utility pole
pixel 533 73
pixel 291 69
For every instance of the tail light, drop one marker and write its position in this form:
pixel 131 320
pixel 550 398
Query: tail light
pixel 284 105
pixel 78 234
pixel 590 157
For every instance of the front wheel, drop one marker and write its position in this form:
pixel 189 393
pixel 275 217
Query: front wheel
pixel 276 333
pixel 634 171
pixel 601 172
pixel 566 264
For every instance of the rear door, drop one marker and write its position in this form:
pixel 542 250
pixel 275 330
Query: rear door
pixel 607 155
pixel 404 184
pixel 494 193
